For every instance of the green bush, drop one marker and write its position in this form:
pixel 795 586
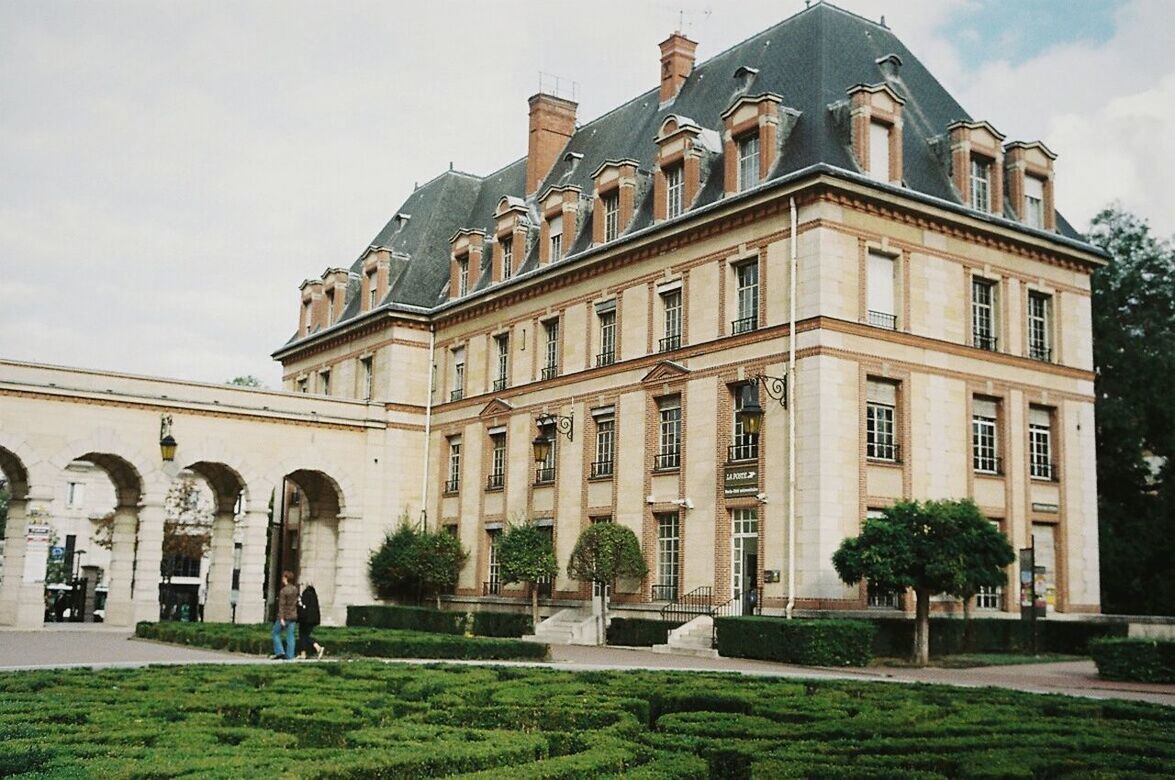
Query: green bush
pixel 951 636
pixel 637 632
pixel 407 618
pixel 1139 660
pixel 505 624
pixel 807 642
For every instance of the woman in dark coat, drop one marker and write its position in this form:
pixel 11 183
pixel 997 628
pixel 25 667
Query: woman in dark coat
pixel 309 617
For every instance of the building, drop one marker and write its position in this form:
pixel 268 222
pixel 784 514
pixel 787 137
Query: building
pixel 630 279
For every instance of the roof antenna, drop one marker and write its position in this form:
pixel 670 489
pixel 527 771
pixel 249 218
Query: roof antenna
pixel 883 21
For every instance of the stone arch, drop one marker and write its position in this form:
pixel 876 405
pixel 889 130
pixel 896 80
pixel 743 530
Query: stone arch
pixel 335 476
pixel 132 470
pixel 15 473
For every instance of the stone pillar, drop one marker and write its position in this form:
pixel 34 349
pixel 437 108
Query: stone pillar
pixel 148 561
pixel 22 598
pixel 121 574
pixel 251 607
pixel 217 608
pixel 350 566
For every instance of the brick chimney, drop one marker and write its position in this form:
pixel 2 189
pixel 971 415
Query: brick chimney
pixel 677 62
pixel 552 123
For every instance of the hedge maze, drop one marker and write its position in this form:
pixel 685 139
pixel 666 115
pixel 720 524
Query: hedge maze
pixel 369 719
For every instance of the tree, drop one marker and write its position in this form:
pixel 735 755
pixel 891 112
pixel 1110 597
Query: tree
pixel 933 547
pixel 604 553
pixel 390 565
pixel 248 380
pixel 525 555
pixel 437 563
pixel 1134 352
pixel 411 563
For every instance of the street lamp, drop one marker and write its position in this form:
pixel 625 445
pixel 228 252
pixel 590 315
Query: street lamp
pixel 750 413
pixel 167 442
pixel 546 423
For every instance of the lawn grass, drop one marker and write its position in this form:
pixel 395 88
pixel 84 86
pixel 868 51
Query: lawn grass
pixel 367 719
pixel 346 642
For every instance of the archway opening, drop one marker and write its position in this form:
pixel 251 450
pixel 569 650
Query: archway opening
pixel 306 538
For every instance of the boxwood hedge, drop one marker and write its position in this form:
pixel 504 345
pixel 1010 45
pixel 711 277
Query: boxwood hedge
pixel 808 642
pixel 639 632
pixel 364 719
pixel 371 642
pixel 1139 660
pixel 500 624
pixel 950 636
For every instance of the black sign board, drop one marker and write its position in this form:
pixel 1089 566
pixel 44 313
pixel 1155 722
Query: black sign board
pixel 741 481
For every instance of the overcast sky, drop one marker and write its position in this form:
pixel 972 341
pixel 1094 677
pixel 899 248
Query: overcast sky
pixel 170 172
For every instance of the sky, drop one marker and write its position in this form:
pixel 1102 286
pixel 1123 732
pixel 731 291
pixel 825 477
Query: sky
pixel 171 172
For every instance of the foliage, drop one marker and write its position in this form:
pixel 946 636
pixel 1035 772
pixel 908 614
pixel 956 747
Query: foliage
pixel 506 624
pixel 638 632
pixel 5 495
pixel 187 524
pixel 605 552
pixel 807 642
pixel 950 636
pixel 362 642
pixel 248 380
pixel 1139 660
pixel 525 555
pixel 378 720
pixel 413 564
pixel 501 624
pixel 933 547
pixel 1134 352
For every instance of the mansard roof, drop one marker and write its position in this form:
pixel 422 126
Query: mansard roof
pixel 811 60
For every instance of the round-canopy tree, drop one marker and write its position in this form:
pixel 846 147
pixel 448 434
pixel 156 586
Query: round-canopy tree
pixel 525 555
pixel 603 553
pixel 933 547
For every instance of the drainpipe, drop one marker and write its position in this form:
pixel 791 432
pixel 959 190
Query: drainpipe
pixel 432 344
pixel 791 428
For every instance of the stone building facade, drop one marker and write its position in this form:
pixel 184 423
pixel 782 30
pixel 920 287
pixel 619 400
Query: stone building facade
pixel 632 278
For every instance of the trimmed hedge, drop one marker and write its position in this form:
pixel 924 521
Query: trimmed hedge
pixel 895 636
pixel 639 632
pixel 1137 660
pixel 368 642
pixel 436 621
pixel 807 642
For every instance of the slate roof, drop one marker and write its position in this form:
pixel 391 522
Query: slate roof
pixel 810 59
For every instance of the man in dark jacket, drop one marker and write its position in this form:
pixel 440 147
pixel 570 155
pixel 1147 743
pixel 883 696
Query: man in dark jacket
pixel 309 617
pixel 287 613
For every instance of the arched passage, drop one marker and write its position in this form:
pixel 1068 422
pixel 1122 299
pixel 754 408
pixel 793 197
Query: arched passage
pixel 310 533
pixel 230 501
pixel 16 478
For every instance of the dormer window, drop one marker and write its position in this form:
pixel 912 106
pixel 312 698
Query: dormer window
pixel 330 308
pixel 879 151
pixel 615 197
pixel 977 165
pixel 748 162
pixel 1029 173
pixel 674 191
pixel 466 246
pixel 507 258
pixel 875 124
pixel 372 291
pixel 611 216
pixel 463 276
pixel 1034 202
pixel 555 243
pixel 683 147
pixel 980 184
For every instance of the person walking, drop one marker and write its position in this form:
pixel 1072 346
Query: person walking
pixel 309 616
pixel 287 614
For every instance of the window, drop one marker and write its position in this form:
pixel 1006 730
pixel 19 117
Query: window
pixel 748 162
pixel 607 354
pixel 1040 443
pixel 674 191
pixel 545 473
pixel 988 597
pixel 605 446
pixel 507 258
pixel 303 385
pixel 744 558
pixel 877 596
pixel 502 348
pixel 984 441
pixel 672 339
pixel 879 151
pixel 307 316
pixel 983 321
pixel 463 276
pixel 366 377
pixel 453 483
pixel 551 366
pixel 330 308
pixel 746 445
pixel 1039 311
pixel 556 244
pixel 747 284
pixel 668 556
pixel 372 291
pixel 882 311
pixel 669 434
pixel 324 382
pixel 75 494
pixel 493 568
pixel 980 184
pixel 611 204
pixel 880 415
pixel 458 375
pixel 1033 202
pixel 497 477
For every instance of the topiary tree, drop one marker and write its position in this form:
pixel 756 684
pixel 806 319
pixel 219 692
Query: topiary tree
pixel 933 547
pixel 390 567
pixel 603 553
pixel 525 555
pixel 436 563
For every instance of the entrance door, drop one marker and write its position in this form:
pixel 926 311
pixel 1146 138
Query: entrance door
pixel 744 559
pixel 751 578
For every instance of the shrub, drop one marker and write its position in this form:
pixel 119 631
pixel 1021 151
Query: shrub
pixel 991 635
pixel 407 618
pixel 505 624
pixel 808 642
pixel 1139 660
pixel 638 632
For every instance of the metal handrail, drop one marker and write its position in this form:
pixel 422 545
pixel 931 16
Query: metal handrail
pixel 698 601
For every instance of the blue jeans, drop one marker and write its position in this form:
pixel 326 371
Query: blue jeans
pixel 288 650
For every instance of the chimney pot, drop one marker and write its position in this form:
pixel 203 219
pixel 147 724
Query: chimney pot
pixel 552 123
pixel 677 62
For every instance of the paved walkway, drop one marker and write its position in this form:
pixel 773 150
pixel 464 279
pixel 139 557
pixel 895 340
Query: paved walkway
pixel 100 647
